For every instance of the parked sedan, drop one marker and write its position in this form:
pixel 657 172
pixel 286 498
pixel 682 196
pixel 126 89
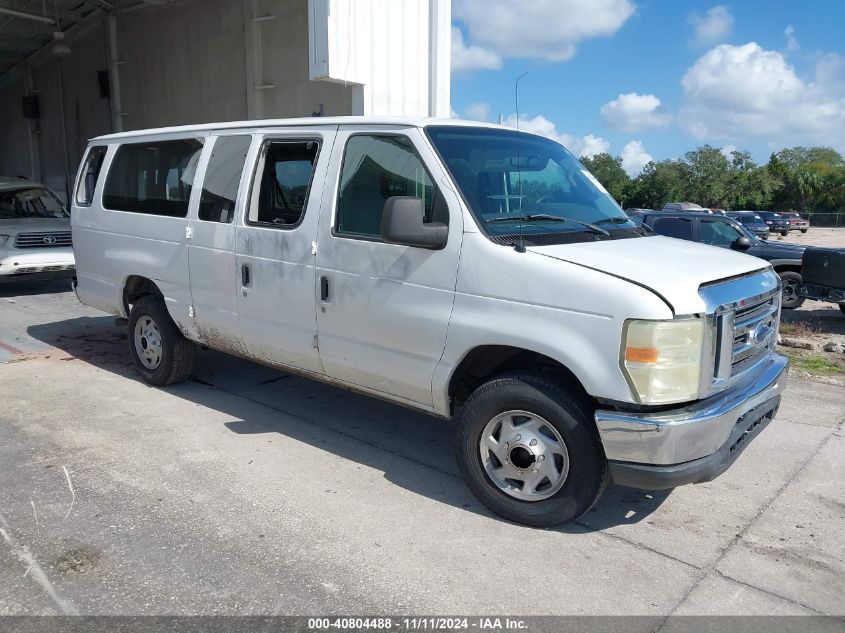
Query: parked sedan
pixel 725 232
pixel 35 239
pixel 775 221
pixel 796 222
pixel 753 222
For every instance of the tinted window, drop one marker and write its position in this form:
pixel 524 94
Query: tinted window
pixel 717 233
pixel 376 168
pixel 222 178
pixel 285 170
pixel 88 178
pixel 153 178
pixel 672 227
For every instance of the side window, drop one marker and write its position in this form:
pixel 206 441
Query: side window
pixel 222 178
pixel 284 173
pixel 154 178
pixel 374 169
pixel 88 178
pixel 673 227
pixel 717 233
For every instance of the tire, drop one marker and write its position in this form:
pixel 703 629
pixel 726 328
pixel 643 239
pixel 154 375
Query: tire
pixel 784 233
pixel 531 406
pixel 171 356
pixel 789 297
pixel 842 308
pixel 804 230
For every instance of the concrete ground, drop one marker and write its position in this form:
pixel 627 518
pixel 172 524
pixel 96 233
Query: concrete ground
pixel 248 491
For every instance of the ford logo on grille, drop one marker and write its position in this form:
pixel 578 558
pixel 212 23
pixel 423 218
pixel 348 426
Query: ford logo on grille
pixel 49 239
pixel 760 335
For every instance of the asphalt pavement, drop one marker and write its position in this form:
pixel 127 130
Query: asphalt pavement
pixel 250 491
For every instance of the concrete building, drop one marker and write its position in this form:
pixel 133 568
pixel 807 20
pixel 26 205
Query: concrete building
pixel 124 64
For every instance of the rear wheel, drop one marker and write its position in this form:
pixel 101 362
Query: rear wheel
pixel 789 296
pixel 159 351
pixel 529 450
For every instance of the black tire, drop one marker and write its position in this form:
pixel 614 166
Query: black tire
pixel 804 230
pixel 784 233
pixel 842 308
pixel 791 282
pixel 571 416
pixel 177 352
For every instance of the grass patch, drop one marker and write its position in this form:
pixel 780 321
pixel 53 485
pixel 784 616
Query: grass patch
pixel 812 364
pixel 798 329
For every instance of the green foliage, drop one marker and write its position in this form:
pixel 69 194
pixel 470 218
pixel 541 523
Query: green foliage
pixel 806 179
pixel 608 170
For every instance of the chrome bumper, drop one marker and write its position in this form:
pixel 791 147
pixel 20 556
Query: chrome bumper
pixel 698 430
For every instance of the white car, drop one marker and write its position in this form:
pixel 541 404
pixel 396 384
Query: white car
pixel 463 269
pixel 35 237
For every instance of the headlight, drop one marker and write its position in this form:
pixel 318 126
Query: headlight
pixel 662 359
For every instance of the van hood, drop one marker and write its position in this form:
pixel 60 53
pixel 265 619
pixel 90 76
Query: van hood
pixel 674 269
pixel 13 226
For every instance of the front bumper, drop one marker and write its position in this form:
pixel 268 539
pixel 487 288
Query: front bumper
pixel 695 443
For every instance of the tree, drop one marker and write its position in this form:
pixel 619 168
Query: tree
pixel 609 172
pixel 708 170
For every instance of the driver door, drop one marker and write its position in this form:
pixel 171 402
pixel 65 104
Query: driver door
pixel 383 308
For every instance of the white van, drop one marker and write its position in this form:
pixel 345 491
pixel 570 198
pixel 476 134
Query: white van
pixel 467 270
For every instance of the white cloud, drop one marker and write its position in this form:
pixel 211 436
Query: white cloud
pixel 792 44
pixel 588 145
pixel 738 92
pixel 728 150
pixel 541 29
pixel 478 111
pixel 714 26
pixel 471 57
pixel 632 112
pixel 634 158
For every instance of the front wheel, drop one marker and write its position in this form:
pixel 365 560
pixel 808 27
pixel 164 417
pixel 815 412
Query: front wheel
pixel 803 230
pixel 790 299
pixel 159 351
pixel 529 450
pixel 784 233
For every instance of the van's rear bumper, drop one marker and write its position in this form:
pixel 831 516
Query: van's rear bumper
pixel 695 443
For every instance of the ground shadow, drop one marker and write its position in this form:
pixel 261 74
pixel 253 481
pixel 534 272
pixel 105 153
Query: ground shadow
pixel 371 432
pixel 24 287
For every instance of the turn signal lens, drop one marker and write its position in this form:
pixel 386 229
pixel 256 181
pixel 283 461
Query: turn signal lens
pixel 663 359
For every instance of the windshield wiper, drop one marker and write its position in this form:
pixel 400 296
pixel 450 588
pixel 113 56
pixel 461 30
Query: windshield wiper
pixel 613 220
pixel 546 217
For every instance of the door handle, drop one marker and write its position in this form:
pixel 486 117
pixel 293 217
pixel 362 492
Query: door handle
pixel 324 288
pixel 245 274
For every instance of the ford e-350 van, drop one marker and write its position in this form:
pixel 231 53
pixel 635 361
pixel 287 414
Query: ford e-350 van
pixel 468 270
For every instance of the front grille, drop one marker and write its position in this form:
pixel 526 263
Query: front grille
pixel 43 240
pixel 754 333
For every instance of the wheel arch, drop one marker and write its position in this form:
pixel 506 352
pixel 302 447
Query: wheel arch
pixel 484 362
pixel 137 286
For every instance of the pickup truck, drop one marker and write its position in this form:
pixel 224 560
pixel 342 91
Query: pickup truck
pixel 823 272
pixel 468 270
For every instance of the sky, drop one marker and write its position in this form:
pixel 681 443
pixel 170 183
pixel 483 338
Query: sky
pixel 652 79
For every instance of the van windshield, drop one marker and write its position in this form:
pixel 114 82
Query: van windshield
pixel 30 202
pixel 515 181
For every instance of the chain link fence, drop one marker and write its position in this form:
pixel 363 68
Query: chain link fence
pixel 836 218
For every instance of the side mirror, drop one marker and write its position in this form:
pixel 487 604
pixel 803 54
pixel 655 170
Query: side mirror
pixel 741 243
pixel 402 223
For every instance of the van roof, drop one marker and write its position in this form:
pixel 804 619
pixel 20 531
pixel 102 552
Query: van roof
pixel 296 122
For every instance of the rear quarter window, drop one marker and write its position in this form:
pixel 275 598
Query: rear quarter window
pixel 153 178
